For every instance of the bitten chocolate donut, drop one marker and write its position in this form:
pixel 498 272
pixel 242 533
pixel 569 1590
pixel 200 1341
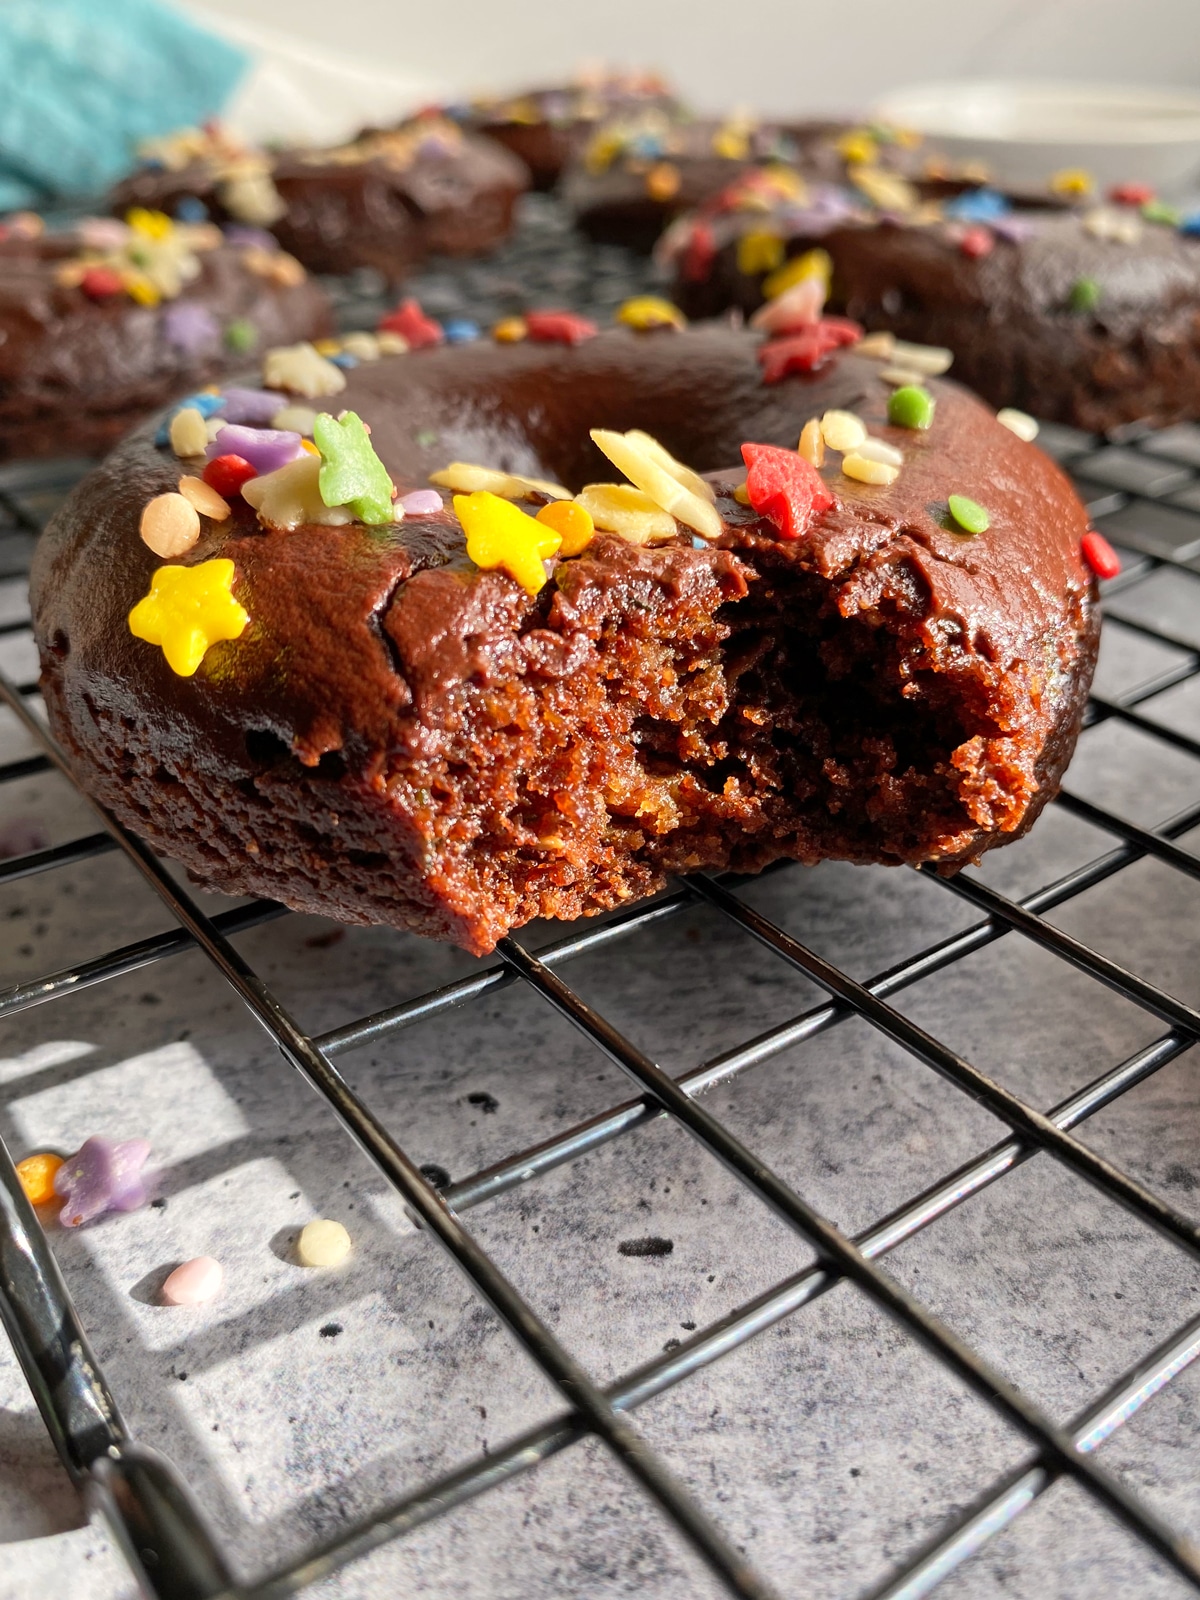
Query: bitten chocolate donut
pixel 1083 313
pixel 104 324
pixel 386 200
pixel 549 128
pixel 516 702
pixel 639 171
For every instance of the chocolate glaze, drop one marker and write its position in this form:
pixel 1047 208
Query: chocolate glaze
pixel 77 373
pixel 341 214
pixel 1006 315
pixel 399 737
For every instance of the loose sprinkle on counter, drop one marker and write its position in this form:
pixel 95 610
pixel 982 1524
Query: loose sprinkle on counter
pixel 647 311
pixel 101 1176
pixel 170 525
pixel 36 1174
pixel 500 535
pixel 194 1282
pixel 1018 422
pixel 188 610
pixel 1073 183
pixel 322 1243
pixel 1100 555
pixel 572 522
pixel 969 514
pixel 1084 296
pixel 911 406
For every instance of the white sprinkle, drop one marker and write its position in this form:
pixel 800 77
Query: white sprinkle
pixel 842 430
pixel 930 359
pixel 1018 422
pixel 864 470
pixel 880 450
pixel 188 432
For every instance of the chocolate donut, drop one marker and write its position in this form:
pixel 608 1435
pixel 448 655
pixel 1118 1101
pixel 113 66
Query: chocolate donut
pixel 393 728
pixel 638 172
pixel 386 200
pixel 1087 313
pixel 102 325
pixel 549 128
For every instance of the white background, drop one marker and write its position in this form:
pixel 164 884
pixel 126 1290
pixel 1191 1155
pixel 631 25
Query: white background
pixel 371 57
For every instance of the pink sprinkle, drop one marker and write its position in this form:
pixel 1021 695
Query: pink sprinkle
pixel 421 503
pixel 194 1282
pixel 798 307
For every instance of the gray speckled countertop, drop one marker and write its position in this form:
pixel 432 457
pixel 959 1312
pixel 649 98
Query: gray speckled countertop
pixel 830 1446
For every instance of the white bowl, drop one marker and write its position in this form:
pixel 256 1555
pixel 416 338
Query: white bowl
pixel 1025 132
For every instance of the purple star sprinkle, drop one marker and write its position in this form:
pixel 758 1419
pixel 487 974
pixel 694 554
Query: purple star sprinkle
pixel 102 1176
pixel 190 327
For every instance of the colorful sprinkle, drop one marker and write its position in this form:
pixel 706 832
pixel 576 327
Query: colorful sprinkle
pixel 976 243
pixel 977 205
pixel 322 1243
pixel 559 327
pixel 807 350
pixel 464 477
pixel 629 513
pixel 812 443
pixel 460 330
pixel 266 449
pixel 759 252
pixel 187 432
pixel 842 430
pixel 36 1175
pixel 663 181
pixel 241 336
pixel 257 407
pixel 1157 211
pixel 1084 296
pixel 169 525
pixel 864 469
pixel 102 1176
pixel 413 326
pixel 205 498
pixel 291 497
pixel 811 264
pixel 930 360
pixel 644 462
pixel 571 522
pixel 911 407
pixel 194 1282
pixel 969 514
pixel 351 472
pixel 101 283
pixel 796 308
pixel 1018 422
pixel 301 369
pixel 228 474
pixel 880 450
pixel 1073 183
pixel 421 503
pixel 191 209
pixel 510 330
pixel 188 610
pixel 646 311
pixel 700 253
pixel 1131 194
pixel 786 489
pixel 500 535
pixel 190 327
pixel 1100 555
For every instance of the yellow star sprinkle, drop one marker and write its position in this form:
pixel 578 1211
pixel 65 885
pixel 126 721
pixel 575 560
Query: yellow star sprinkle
pixel 188 609
pixel 150 224
pixel 501 535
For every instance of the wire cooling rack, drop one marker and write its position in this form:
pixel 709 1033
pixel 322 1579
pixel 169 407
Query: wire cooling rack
pixel 1143 491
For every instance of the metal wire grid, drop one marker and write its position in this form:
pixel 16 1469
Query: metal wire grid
pixel 163 1533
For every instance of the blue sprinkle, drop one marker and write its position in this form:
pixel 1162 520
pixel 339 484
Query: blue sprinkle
pixel 1190 225
pixel 645 145
pixel 191 209
pixel 460 330
pixel 344 359
pixel 977 205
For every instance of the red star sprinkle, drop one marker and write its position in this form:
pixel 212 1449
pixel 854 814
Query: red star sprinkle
pixel 785 488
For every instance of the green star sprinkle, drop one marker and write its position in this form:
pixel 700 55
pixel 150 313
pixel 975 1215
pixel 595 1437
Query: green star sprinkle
pixel 351 473
pixel 969 514
pixel 1085 295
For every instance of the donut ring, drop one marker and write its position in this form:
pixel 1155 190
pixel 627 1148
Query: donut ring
pixel 399 737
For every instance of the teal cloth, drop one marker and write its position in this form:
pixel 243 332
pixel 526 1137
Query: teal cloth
pixel 85 80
